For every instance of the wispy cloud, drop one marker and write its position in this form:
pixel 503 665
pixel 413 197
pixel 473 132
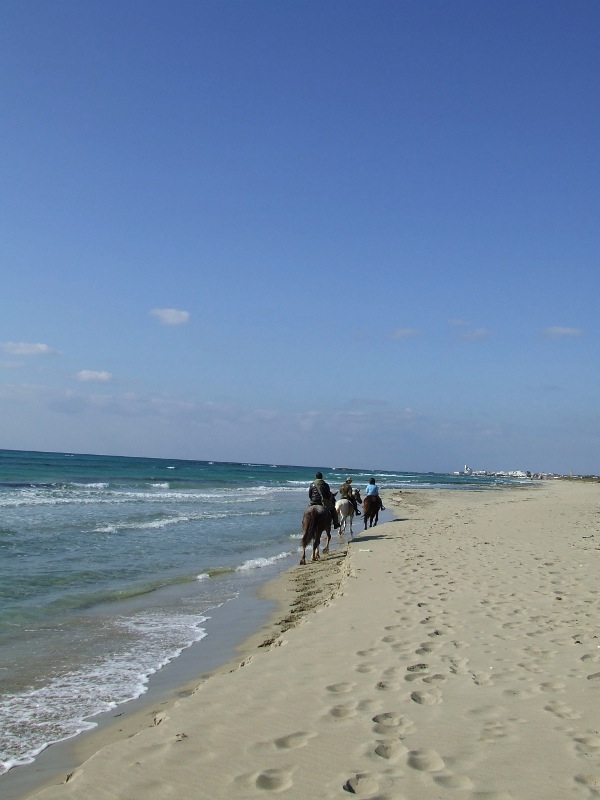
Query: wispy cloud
pixel 93 376
pixel 27 349
pixel 171 316
pixel 466 332
pixel 475 334
pixel 558 332
pixel 405 333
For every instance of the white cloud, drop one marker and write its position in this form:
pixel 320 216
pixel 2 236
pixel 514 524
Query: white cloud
pixel 27 349
pixel 93 376
pixel 170 316
pixel 557 332
pixel 405 333
pixel 475 335
pixel 466 332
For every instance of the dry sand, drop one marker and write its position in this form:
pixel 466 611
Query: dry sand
pixel 451 653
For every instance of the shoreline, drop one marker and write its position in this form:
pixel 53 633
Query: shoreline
pixel 456 647
pixel 267 610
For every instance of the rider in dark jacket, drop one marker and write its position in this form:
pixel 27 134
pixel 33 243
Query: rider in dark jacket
pixel 319 494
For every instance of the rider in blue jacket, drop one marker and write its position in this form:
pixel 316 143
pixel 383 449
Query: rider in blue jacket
pixel 372 489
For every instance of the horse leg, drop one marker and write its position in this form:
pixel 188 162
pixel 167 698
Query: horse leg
pixel 351 517
pixel 306 540
pixel 316 543
pixel 308 534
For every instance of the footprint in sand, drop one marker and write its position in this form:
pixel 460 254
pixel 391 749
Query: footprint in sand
pixel 591 782
pixel 363 784
pixel 482 679
pixel 425 760
pixel 343 711
pixel 392 721
pixel 426 698
pixel 293 740
pixel 390 749
pixel 365 668
pixel 589 657
pixel 427 647
pixel 494 730
pixel 530 666
pixel 562 710
pixel 416 672
pixel 274 780
pixel 420 667
pixel 450 781
pixel 340 688
pixel 388 686
pixel 437 677
pixel 587 745
pixel 393 672
pixel 458 665
pixel 552 686
pixel 524 694
pixel 488 712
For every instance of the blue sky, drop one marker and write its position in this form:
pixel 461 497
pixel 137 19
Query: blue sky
pixel 315 232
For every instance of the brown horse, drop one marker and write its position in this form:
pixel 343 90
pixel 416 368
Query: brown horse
pixel 315 521
pixel 371 510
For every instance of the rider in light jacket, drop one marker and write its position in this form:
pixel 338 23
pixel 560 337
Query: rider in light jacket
pixel 372 490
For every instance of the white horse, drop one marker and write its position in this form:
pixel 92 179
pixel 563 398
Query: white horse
pixel 345 511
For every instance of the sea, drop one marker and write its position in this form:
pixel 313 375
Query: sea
pixel 112 567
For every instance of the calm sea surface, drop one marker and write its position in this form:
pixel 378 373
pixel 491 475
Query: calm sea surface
pixel 110 567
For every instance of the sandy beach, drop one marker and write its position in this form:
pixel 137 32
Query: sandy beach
pixel 451 653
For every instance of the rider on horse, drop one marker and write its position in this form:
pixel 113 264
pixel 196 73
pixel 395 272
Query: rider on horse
pixel 346 493
pixel 372 490
pixel 319 494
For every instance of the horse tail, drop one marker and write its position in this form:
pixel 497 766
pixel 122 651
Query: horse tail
pixel 309 525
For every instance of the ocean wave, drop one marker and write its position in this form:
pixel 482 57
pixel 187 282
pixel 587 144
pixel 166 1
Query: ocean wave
pixel 259 563
pixel 157 492
pixel 116 527
pixel 41 716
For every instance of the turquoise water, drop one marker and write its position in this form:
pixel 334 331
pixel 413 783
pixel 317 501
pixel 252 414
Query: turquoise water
pixel 110 567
